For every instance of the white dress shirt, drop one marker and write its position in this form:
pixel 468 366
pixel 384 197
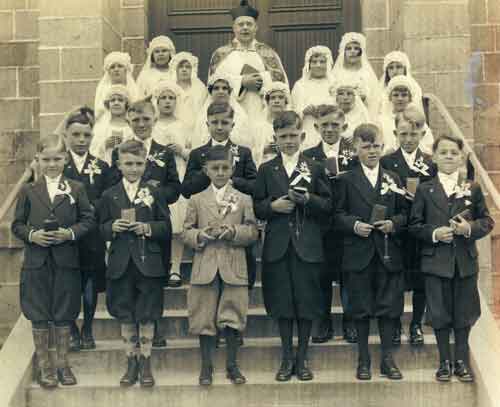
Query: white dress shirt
pixel 52 186
pixel 146 143
pixel 409 158
pixel 290 162
pixel 219 143
pixel 79 160
pixel 331 150
pixel 131 189
pixel 371 174
pixel 219 193
pixel 448 181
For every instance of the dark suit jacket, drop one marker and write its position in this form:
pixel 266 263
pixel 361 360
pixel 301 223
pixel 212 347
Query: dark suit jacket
pixel 195 180
pixel 34 206
pixel 273 183
pixel 355 200
pixel 432 209
pixel 346 159
pixel 161 172
pixel 126 246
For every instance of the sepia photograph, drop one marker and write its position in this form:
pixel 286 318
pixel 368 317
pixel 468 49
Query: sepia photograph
pixel 250 203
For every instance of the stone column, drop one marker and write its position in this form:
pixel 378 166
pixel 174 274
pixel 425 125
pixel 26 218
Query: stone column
pixel 74 38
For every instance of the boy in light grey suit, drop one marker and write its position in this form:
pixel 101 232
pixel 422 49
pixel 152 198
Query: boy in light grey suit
pixel 219 224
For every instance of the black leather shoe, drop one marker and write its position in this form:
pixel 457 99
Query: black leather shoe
pixel 74 342
pixel 233 373
pixel 416 335
pixel 206 376
pixel 286 370
pixel 47 378
pixel 159 342
pixel 443 373
pixel 130 376
pixel 463 372
pixel 389 369
pixel 65 376
pixel 396 336
pixel 363 372
pixel 325 333
pixel 145 374
pixel 87 342
pixel 303 372
pixel 350 335
pixel 220 340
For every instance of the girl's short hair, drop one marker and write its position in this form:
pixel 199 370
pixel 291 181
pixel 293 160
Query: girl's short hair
pixel 459 142
pixel 285 119
pixel 51 140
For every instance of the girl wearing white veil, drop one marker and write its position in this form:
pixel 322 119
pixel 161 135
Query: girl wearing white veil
pixel 277 98
pixel 113 128
pixel 184 71
pixel 352 64
pixel 345 96
pixel 157 65
pixel 400 94
pixel 397 63
pixel 312 89
pixel 172 133
pixel 220 89
pixel 117 71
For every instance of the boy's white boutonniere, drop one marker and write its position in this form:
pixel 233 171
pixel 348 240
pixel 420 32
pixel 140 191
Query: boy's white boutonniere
pixel 65 189
pixel 421 167
pixel 304 174
pixel 462 190
pixel 235 153
pixel 144 196
pixel 157 158
pixel 346 157
pixel 92 169
pixel 230 205
pixel 389 185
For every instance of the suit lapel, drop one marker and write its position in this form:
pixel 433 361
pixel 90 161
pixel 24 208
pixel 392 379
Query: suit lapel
pixel 403 165
pixel 438 196
pixel 42 192
pixel 210 202
pixel 364 187
pixel 280 175
pixel 319 154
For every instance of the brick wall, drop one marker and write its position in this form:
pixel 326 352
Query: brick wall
pixel 134 29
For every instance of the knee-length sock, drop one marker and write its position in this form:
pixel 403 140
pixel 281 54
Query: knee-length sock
pixel 462 344
pixel 304 333
pixel 89 305
pixel 146 332
pixel 286 335
pixel 418 307
pixel 363 328
pixel 207 346
pixel 385 329
pixel 176 254
pixel 129 335
pixel 443 343
pixel 231 335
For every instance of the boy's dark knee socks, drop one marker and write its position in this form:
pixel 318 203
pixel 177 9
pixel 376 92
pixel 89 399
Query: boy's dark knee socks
pixel 462 344
pixel 286 335
pixel 363 328
pixel 207 346
pixel 443 343
pixel 385 329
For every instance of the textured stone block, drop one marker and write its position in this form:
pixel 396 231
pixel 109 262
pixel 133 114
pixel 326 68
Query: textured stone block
pixel 486 96
pixel 494 11
pixel 51 8
pixel 488 155
pixel 8 82
pixel 131 3
pixel 36 113
pixel 111 12
pixel 19 53
pixel 49 64
pixel 438 54
pixel 477 11
pixel 16 114
pixel 32 4
pixel 427 81
pixel 81 63
pixel 136 49
pixel 7 151
pixel 26 24
pixel 133 22
pixel 24 144
pixel 374 13
pixel 71 32
pixel 12 259
pixel 12 4
pixel 28 82
pixel 111 41
pixel 487 128
pixel 463 116
pixel 497 42
pixel 482 38
pixel 6 33
pixel 492 67
pixel 379 43
pixel 377 65
pixel 435 18
pixel 59 97
pixel 49 123
pixel 451 89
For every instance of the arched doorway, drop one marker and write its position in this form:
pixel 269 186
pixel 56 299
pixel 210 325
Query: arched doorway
pixel 289 26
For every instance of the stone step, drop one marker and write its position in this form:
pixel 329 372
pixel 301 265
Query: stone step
pixel 329 388
pixel 175 323
pixel 257 354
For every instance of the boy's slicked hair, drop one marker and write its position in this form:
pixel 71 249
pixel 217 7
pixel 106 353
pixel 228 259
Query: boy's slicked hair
pixel 133 147
pixel 83 115
pixel 285 119
pixel 140 106
pixel 325 110
pixel 219 153
pixel 459 142
pixel 366 132
pixel 220 107
pixel 414 115
pixel 51 140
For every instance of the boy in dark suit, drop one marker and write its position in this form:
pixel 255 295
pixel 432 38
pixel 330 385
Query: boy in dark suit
pixel 94 175
pixel 51 215
pixel 292 193
pixel 219 224
pixel 448 215
pixel 413 167
pixel 371 212
pixel 134 219
pixel 336 155
pixel 160 172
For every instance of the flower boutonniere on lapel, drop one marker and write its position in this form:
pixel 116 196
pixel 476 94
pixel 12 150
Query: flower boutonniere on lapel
pixel 389 185
pixel 421 167
pixel 235 152
pixel 92 170
pixel 157 158
pixel 304 174
pixel 144 197
pixel 346 157
pixel 65 189
pixel 463 190
pixel 229 205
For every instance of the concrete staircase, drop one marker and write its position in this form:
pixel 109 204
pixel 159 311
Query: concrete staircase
pixel 176 369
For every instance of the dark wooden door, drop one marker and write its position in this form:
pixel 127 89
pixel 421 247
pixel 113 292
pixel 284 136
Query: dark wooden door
pixel 289 26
